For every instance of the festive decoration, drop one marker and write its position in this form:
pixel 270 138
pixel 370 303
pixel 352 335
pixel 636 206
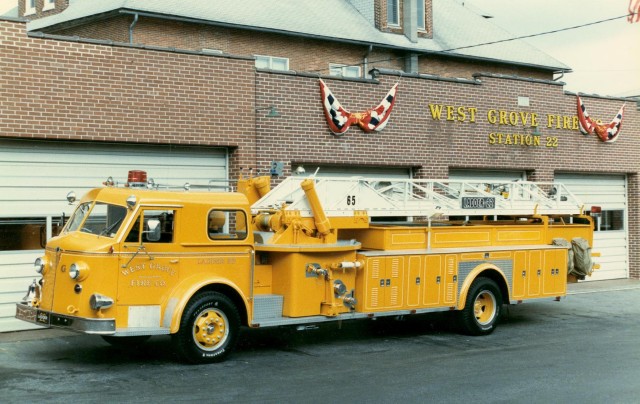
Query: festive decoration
pixel 606 133
pixel 339 119
pixel 634 11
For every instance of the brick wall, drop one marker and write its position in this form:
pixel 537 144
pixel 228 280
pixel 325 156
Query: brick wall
pixel 414 138
pixel 451 67
pixel 114 29
pixel 76 91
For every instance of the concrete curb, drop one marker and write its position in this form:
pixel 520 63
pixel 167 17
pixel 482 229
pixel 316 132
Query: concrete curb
pixel 602 286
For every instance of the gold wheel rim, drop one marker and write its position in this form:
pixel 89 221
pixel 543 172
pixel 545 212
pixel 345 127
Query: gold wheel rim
pixel 210 330
pixel 484 307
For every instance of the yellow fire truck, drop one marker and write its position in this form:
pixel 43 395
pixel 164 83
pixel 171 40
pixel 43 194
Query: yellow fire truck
pixel 140 260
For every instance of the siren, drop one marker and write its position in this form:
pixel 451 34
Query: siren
pixel 137 179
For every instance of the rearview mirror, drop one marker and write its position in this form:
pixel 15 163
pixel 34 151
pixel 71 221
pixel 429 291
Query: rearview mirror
pixel 153 234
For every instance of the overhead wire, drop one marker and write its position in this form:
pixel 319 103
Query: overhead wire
pixel 489 43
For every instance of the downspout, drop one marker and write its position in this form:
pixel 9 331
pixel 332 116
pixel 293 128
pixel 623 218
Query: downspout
pixel 133 24
pixel 365 61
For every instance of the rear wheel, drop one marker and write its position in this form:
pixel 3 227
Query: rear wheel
pixel 482 308
pixel 208 329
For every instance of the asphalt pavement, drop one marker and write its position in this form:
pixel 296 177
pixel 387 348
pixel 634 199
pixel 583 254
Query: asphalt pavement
pixel 585 348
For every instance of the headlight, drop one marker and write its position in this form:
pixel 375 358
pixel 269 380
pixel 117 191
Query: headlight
pixel 79 271
pixel 39 265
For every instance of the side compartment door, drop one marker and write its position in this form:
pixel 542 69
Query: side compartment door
pixel 535 273
pixel 554 275
pixel 520 275
pixel 433 280
pixel 450 285
pixel 384 283
pixel 415 280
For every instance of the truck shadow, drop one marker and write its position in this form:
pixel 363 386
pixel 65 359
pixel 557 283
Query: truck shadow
pixel 158 350
pixel 290 338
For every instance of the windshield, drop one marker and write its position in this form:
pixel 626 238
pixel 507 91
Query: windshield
pixel 103 219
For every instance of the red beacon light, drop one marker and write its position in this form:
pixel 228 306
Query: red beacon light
pixel 137 179
pixel 596 211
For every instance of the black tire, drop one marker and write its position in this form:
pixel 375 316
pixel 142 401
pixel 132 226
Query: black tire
pixel 482 308
pixel 126 342
pixel 208 329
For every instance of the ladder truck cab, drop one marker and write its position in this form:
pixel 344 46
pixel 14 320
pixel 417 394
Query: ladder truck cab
pixel 142 259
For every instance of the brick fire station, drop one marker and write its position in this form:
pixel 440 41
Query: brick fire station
pixel 200 92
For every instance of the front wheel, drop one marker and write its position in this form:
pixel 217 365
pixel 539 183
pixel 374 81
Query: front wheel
pixel 482 308
pixel 208 329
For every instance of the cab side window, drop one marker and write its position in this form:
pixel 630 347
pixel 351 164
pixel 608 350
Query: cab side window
pixel 153 226
pixel 227 225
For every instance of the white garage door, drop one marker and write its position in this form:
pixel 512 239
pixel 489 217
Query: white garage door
pixel 36 176
pixel 358 171
pixel 611 236
pixel 487 175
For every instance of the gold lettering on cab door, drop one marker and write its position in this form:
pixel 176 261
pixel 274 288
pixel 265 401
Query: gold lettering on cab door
pixel 148 275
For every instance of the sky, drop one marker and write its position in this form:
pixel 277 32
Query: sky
pixel 605 58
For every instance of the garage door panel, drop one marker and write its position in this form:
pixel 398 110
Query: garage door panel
pixel 43 207
pixel 612 254
pixel 47 175
pixel 19 269
pixel 603 275
pixel 11 324
pixel 7 310
pixel 486 175
pixel 16 287
pixel 11 259
pixel 358 171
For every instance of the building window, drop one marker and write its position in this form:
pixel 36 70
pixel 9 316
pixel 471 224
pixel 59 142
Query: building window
pixel 393 12
pixel 609 220
pixel 272 63
pixel 344 70
pixel 27 233
pixel 29 7
pixel 49 5
pixel 421 18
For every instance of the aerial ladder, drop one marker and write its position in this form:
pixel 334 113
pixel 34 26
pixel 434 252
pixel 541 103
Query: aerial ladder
pixel 384 197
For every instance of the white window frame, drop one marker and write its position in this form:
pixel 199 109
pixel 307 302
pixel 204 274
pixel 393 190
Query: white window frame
pixel 30 8
pixel 396 5
pixel 422 19
pixel 270 62
pixel 49 5
pixel 336 69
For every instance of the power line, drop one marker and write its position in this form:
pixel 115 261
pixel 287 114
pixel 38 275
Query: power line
pixel 492 42
pixel 538 34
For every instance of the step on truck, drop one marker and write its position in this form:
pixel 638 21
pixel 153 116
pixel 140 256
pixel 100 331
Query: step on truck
pixel 144 259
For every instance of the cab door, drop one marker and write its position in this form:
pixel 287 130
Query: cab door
pixel 149 267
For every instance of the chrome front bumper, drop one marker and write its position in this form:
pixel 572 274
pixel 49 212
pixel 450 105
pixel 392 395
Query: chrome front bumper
pixel 101 326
